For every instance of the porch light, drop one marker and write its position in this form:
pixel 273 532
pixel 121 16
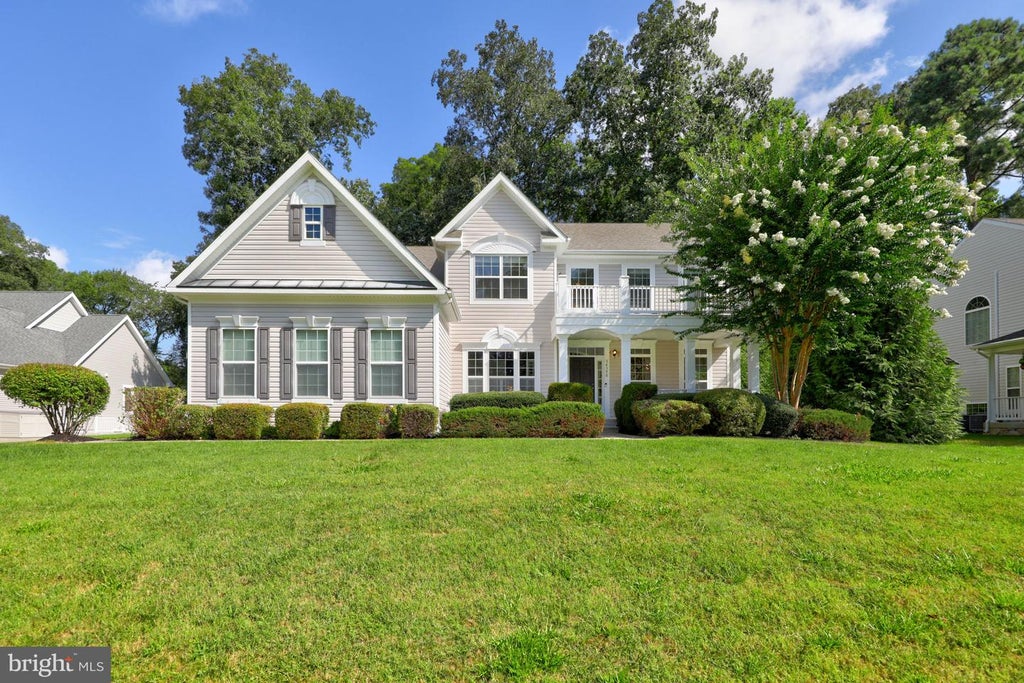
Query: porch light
pixel 1021 361
pixel 615 354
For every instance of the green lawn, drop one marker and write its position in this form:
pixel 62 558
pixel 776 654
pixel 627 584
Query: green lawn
pixel 598 560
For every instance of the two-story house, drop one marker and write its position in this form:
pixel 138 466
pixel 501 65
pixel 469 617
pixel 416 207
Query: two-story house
pixel 307 296
pixel 985 333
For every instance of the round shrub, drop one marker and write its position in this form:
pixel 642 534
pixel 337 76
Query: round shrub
pixel 417 421
pixel 634 391
pixel 496 399
pixel 779 417
pixel 301 420
pixel 570 391
pixel 480 422
pixel 68 395
pixel 364 421
pixel 191 422
pixel 833 425
pixel 655 417
pixel 150 410
pixel 241 420
pixel 561 419
pixel 675 396
pixel 734 412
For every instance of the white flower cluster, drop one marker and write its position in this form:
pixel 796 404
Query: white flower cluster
pixel 872 162
pixel 799 187
pixel 860 277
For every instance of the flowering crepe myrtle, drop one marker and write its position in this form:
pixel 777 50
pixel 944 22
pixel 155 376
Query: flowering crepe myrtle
pixel 854 207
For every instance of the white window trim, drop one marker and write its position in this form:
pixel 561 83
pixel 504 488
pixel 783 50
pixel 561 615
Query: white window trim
pixel 310 323
pixel 239 322
pixel 392 324
pixel 485 349
pixel 626 267
pixel 645 344
pixel 1006 380
pixel 501 300
pixel 704 350
pixel 596 286
pixel 974 311
pixel 312 241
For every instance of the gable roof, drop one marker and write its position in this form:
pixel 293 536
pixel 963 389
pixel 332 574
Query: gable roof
pixel 429 257
pixel 192 275
pixel 618 237
pixel 33 305
pixel 501 183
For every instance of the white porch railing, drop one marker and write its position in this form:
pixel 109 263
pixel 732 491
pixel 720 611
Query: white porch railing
pixel 622 298
pixel 1008 409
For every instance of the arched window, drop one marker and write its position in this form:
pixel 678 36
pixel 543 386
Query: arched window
pixel 976 322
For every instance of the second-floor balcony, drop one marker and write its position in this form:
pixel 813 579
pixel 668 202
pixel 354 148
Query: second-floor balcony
pixel 620 299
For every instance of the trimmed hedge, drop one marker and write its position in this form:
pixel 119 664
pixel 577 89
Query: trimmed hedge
pixel 364 421
pixel 570 391
pixel 675 396
pixel 417 421
pixel 191 422
pixel 333 430
pixel 68 395
pixel 632 392
pixel 734 412
pixel 241 420
pixel 554 419
pixel 833 425
pixel 301 420
pixel 779 417
pixel 150 410
pixel 496 399
pixel 655 417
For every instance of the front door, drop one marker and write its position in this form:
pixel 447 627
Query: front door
pixel 581 369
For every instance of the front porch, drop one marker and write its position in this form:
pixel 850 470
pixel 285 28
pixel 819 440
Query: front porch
pixel 1005 358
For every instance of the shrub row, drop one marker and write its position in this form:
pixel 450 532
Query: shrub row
pixel 833 425
pixel 553 419
pixel 570 391
pixel 632 392
pixel 496 399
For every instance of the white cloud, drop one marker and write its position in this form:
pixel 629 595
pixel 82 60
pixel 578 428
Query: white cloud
pixel 154 268
pixel 816 103
pixel 184 11
pixel 58 256
pixel 805 41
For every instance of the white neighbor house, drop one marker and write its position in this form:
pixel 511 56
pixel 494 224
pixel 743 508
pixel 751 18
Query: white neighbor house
pixel 985 335
pixel 308 297
pixel 54 327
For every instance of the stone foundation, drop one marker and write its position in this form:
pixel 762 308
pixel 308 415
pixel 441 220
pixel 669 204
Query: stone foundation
pixel 1005 428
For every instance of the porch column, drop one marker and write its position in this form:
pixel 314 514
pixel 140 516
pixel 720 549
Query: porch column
pixel 689 365
pixel 993 387
pixel 624 294
pixel 753 367
pixel 735 378
pixel 563 358
pixel 562 294
pixel 627 352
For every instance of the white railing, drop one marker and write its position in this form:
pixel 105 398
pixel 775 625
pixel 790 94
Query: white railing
pixel 621 298
pixel 1008 408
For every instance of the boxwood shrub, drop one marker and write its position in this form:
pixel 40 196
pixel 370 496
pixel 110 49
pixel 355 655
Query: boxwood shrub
pixel 655 417
pixel 191 422
pixel 365 421
pixel 634 391
pixel 779 417
pixel 301 420
pixel 417 421
pixel 241 420
pixel 150 410
pixel 570 391
pixel 833 425
pixel 496 399
pixel 734 412
pixel 554 419
pixel 480 422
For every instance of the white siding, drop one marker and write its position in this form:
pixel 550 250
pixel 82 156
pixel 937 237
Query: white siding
pixel 265 252
pixel 346 316
pixel 124 363
pixel 444 359
pixel 61 319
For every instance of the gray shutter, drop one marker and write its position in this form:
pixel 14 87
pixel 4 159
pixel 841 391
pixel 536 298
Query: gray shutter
pixel 212 363
pixel 295 223
pixel 410 364
pixel 286 363
pixel 336 376
pixel 329 221
pixel 263 363
pixel 361 363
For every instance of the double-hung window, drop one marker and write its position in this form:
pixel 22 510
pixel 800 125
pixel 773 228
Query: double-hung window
pixel 1013 381
pixel 501 277
pixel 386 368
pixel 976 320
pixel 238 350
pixel 639 287
pixel 508 370
pixel 700 365
pixel 581 287
pixel 641 364
pixel 311 363
pixel 313 223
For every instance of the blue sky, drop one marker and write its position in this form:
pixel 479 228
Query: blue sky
pixel 91 130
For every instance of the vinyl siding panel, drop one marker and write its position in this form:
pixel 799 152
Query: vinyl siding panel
pixel 61 319
pixel 666 365
pixel 346 316
pixel 266 252
pixel 444 360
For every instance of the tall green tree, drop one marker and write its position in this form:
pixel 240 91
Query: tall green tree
pixel 23 261
pixel 249 123
pixel 509 113
pixel 860 98
pixel 976 77
pixel 642 109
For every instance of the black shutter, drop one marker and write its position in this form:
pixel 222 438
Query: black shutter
pixel 263 363
pixel 410 364
pixel 361 363
pixel 329 221
pixel 212 363
pixel 295 223
pixel 336 376
pixel 286 363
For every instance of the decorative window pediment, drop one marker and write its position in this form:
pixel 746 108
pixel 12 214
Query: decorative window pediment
pixel 312 192
pixel 502 243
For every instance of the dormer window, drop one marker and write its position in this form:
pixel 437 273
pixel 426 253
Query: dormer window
pixel 313 223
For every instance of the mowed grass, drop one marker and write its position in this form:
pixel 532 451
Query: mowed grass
pixel 599 560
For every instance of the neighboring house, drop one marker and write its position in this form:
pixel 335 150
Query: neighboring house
pixel 307 296
pixel 54 327
pixel 985 335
